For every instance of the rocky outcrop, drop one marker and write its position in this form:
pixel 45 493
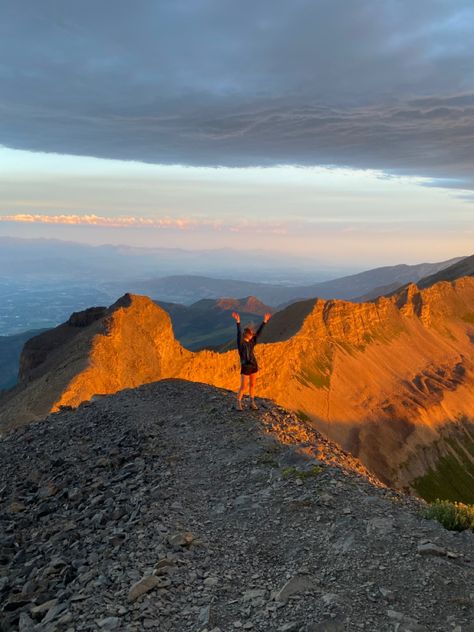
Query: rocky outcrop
pixel 381 378
pixel 160 508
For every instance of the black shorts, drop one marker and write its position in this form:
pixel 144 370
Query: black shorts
pixel 248 369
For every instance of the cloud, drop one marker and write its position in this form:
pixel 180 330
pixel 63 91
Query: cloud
pixel 352 83
pixel 240 226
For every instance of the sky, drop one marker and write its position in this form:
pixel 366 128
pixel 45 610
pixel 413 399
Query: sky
pixel 336 129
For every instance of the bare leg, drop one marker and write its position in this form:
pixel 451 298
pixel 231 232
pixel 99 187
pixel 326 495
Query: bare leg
pixel 252 381
pixel 243 387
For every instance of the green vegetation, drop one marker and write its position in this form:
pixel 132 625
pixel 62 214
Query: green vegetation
pixel 317 372
pixel 303 416
pixel 267 459
pixel 294 472
pixel 453 477
pixel 452 515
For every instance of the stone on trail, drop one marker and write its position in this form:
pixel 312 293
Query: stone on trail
pixel 429 548
pixel 298 584
pixel 143 586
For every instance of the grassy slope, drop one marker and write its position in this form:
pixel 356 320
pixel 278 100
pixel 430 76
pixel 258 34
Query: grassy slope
pixel 453 477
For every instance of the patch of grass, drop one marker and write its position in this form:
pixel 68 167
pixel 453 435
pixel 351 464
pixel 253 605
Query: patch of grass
pixel 303 416
pixel 267 459
pixel 289 472
pixel 453 516
pixel 317 371
pixel 453 477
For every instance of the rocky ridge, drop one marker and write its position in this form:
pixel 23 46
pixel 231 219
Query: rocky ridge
pixel 162 508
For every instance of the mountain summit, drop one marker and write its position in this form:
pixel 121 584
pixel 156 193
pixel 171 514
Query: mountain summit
pixel 385 379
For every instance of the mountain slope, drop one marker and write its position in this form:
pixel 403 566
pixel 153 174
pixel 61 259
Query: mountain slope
pixel 207 322
pixel 385 379
pixel 249 522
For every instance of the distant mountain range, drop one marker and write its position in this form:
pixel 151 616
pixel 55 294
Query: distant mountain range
pixel 190 288
pixel 53 259
pixel 207 323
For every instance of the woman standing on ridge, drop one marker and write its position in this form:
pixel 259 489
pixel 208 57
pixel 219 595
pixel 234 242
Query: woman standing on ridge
pixel 248 363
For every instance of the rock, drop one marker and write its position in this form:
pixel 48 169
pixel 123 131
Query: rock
pixel 296 585
pixel 184 538
pixel 255 593
pixel 44 607
pixel 109 623
pixel 206 616
pixel 428 548
pixel 382 526
pixel 25 624
pixel 143 586
pixel 211 581
pixel 54 612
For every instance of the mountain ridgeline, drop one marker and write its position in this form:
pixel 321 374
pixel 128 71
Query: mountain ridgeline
pixel 390 380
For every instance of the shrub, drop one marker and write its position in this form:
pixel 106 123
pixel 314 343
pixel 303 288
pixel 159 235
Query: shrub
pixel 452 515
pixel 292 471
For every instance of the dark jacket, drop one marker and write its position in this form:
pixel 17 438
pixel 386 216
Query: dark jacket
pixel 246 349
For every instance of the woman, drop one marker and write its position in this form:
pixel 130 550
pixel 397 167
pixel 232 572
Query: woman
pixel 248 363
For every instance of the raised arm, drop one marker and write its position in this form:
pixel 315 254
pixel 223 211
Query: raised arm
pixel 266 318
pixel 236 317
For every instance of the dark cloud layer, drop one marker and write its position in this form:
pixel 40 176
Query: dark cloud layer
pixel 386 85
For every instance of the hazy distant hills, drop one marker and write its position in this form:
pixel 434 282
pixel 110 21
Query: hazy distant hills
pixel 188 289
pixel 392 380
pixel 53 259
pixel 463 267
pixel 43 280
pixel 10 351
pixel 208 322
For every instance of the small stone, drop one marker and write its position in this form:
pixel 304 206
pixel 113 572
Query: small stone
pixel 211 581
pixel 44 607
pixel 296 585
pixel 162 566
pixel 428 548
pixel 53 613
pixel 184 538
pixel 143 586
pixel 256 593
pixel 109 623
pixel 381 526
pixel 25 624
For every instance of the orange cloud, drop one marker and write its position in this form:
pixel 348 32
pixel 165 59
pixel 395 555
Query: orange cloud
pixel 131 221
pixel 96 220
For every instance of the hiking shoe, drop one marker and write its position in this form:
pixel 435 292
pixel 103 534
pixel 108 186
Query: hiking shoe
pixel 253 405
pixel 238 405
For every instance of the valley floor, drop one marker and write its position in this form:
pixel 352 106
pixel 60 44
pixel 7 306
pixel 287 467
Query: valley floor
pixel 222 520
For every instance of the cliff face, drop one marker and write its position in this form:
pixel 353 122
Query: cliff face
pixel 382 378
